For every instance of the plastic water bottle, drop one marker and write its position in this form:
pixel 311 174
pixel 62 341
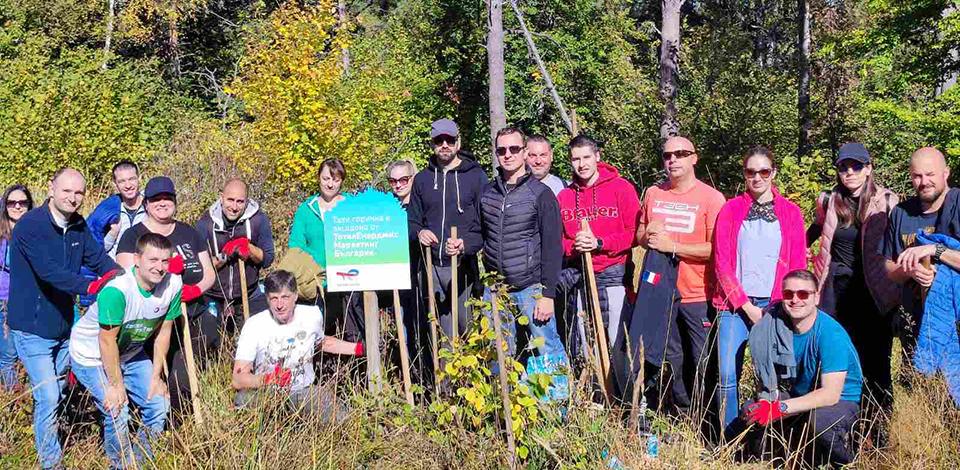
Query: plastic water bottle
pixel 613 463
pixel 212 308
pixel 653 446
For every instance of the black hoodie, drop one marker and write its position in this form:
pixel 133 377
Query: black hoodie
pixel 443 199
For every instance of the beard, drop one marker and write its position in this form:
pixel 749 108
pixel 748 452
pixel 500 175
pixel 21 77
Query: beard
pixel 932 196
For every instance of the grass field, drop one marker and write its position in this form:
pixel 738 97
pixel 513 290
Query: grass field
pixel 384 432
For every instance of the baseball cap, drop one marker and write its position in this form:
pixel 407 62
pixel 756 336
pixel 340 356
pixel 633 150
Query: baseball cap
pixel 159 185
pixel 444 127
pixel 853 151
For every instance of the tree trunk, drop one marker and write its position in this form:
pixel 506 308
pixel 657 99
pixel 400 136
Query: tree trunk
pixel 532 46
pixel 108 36
pixel 498 106
pixel 342 17
pixel 803 81
pixel 669 62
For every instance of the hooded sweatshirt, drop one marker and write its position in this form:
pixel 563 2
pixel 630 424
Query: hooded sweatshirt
pixel 306 231
pixel 612 208
pixel 441 199
pixel 216 231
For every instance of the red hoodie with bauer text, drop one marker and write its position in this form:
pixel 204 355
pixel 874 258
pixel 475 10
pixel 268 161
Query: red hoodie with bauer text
pixel 612 208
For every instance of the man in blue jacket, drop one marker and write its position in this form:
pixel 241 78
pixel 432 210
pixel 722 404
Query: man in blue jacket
pixel 48 246
pixel 447 194
pixel 520 218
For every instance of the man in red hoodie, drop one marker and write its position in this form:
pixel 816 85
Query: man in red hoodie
pixel 610 205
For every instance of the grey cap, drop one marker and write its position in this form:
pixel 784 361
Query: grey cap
pixel 444 127
pixel 853 151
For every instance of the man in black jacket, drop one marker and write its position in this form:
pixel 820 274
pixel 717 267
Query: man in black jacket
pixel 233 228
pixel 446 194
pixel 522 242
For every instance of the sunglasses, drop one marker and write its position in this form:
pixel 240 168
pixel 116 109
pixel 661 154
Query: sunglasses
pixel 857 167
pixel 444 139
pixel 801 294
pixel 678 154
pixel 18 203
pixel 763 172
pixel 513 149
pixel 401 180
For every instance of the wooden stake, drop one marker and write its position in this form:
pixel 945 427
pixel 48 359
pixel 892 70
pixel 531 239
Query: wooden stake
pixel 504 384
pixel 925 262
pixel 599 331
pixel 454 291
pixel 191 365
pixel 637 390
pixel 244 298
pixel 371 323
pixel 432 305
pixel 404 354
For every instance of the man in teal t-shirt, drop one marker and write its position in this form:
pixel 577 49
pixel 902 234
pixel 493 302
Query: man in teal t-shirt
pixel 825 394
pixel 107 348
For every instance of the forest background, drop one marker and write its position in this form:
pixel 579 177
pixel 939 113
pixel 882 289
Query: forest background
pixel 201 90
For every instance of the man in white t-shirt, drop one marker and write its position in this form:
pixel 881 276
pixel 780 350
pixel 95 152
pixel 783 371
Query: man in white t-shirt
pixel 107 348
pixel 276 350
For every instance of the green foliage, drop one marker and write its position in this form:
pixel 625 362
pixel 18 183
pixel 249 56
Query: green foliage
pixel 476 402
pixel 64 109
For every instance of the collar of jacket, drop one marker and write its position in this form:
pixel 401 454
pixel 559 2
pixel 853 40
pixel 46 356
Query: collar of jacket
pixel 75 218
pixel 502 186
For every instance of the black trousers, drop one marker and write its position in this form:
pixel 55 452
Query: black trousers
pixel 829 429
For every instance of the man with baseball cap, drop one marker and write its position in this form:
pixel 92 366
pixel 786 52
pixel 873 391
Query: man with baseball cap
pixel 191 260
pixel 446 194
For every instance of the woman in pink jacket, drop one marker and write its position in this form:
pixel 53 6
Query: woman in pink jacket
pixel 759 237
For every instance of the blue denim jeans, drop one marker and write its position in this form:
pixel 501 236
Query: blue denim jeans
pixel 46 363
pixel 116 436
pixel 732 332
pixel 551 358
pixel 8 352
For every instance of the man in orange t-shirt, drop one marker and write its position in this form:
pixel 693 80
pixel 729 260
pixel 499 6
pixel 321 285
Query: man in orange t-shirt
pixel 677 219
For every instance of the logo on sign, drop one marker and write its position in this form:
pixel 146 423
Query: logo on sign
pixel 348 274
pixel 680 217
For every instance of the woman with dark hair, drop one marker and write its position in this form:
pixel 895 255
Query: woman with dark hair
pixel 16 201
pixel 758 239
pixel 850 223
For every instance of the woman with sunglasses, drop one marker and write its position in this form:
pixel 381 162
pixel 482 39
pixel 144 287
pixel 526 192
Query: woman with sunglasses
pixel 850 223
pixel 758 239
pixel 16 201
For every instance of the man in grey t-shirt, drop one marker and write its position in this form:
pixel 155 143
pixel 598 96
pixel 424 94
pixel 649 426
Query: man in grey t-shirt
pixel 540 159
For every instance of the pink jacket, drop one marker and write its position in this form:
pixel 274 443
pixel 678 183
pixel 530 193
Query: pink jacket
pixel 886 293
pixel 729 294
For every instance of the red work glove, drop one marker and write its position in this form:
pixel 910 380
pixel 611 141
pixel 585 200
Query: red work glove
pixel 101 281
pixel 238 246
pixel 280 377
pixel 358 350
pixel 765 412
pixel 190 293
pixel 175 265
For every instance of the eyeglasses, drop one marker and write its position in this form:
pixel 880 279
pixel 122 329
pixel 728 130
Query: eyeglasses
pixel 18 203
pixel 444 139
pixel 514 149
pixel 801 294
pixel 763 172
pixel 679 154
pixel 401 180
pixel 845 166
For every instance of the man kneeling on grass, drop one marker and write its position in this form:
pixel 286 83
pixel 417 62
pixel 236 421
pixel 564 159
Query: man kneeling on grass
pixel 107 348
pixel 276 349
pixel 818 402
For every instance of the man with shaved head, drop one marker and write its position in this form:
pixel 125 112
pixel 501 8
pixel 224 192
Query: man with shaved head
pixel 934 209
pixel 235 228
pixel 676 226
pixel 48 246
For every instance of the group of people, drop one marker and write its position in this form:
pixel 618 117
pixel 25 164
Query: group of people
pixel 686 281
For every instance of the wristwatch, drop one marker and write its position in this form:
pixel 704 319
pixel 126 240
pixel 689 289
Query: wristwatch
pixel 783 407
pixel 940 248
pixel 599 243
pixel 221 257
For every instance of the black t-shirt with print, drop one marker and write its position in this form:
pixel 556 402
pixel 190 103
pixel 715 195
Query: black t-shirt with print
pixel 186 241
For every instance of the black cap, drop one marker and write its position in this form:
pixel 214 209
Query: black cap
pixel 853 151
pixel 159 185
